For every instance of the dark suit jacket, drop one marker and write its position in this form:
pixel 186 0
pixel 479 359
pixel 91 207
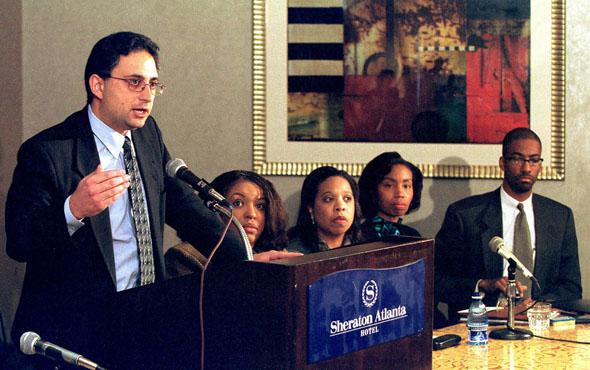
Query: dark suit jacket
pixel 69 279
pixel 462 255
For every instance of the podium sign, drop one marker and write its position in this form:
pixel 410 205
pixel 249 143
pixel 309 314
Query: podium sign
pixel 354 309
pixel 280 315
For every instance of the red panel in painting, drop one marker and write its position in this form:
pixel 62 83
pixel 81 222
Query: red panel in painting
pixel 497 88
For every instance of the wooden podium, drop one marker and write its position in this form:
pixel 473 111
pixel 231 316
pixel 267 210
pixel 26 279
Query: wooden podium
pixel 256 316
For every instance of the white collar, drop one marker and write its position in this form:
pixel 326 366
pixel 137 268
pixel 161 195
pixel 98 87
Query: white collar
pixel 510 202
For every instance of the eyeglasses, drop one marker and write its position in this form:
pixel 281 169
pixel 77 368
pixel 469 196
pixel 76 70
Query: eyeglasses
pixel 138 85
pixel 516 159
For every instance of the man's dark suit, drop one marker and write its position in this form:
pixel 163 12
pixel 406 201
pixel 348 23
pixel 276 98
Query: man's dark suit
pixel 462 255
pixel 69 278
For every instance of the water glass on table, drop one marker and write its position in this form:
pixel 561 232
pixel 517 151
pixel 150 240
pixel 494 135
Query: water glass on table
pixel 539 317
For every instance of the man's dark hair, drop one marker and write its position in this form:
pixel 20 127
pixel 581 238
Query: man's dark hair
pixel 106 52
pixel 518 134
pixel 372 175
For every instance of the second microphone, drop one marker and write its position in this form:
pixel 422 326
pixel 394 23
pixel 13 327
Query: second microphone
pixel 177 168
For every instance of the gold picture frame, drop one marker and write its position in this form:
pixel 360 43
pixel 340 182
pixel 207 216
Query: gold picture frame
pixel 273 154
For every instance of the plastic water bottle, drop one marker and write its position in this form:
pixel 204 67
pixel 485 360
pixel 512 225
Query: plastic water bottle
pixel 477 322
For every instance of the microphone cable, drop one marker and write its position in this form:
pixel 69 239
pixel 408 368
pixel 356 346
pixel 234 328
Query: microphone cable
pixel 560 339
pixel 202 286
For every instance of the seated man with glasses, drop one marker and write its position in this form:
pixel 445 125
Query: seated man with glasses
pixel 538 230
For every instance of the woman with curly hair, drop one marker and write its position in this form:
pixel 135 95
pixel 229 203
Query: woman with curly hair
pixel 258 207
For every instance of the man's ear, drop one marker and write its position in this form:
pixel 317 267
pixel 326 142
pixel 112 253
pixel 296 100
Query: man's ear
pixel 96 84
pixel 501 163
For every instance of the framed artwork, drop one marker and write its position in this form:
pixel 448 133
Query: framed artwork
pixel 337 82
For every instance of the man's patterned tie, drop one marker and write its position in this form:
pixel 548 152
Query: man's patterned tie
pixel 140 218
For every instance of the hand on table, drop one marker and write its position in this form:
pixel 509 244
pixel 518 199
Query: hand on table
pixel 275 255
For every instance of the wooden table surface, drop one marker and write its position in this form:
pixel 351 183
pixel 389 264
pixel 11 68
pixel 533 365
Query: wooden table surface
pixel 535 353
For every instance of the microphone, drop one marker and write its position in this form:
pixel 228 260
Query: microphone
pixel 31 343
pixel 497 246
pixel 177 168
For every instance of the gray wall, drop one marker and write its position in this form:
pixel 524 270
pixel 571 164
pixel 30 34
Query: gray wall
pixel 206 63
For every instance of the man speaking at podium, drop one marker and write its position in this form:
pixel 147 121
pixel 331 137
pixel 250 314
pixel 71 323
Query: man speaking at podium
pixel 539 231
pixel 89 198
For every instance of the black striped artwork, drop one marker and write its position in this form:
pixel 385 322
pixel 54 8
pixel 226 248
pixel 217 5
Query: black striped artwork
pixel 305 50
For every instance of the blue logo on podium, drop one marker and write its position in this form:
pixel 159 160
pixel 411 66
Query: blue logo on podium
pixel 355 309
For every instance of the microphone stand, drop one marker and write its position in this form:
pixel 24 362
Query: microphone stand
pixel 510 332
pixel 215 206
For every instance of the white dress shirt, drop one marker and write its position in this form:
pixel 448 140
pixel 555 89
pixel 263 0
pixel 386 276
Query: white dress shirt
pixel 110 151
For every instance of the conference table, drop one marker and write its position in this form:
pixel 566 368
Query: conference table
pixel 535 353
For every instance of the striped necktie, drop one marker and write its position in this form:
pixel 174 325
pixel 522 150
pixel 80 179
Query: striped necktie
pixel 140 218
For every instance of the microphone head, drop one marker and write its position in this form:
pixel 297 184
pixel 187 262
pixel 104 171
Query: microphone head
pixel 27 342
pixel 173 166
pixel 496 243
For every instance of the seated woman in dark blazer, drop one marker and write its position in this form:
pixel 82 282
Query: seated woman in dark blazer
pixel 259 209
pixel 329 215
pixel 390 187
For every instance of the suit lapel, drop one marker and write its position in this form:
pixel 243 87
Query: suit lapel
pixel 544 238
pixel 86 161
pixel 492 226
